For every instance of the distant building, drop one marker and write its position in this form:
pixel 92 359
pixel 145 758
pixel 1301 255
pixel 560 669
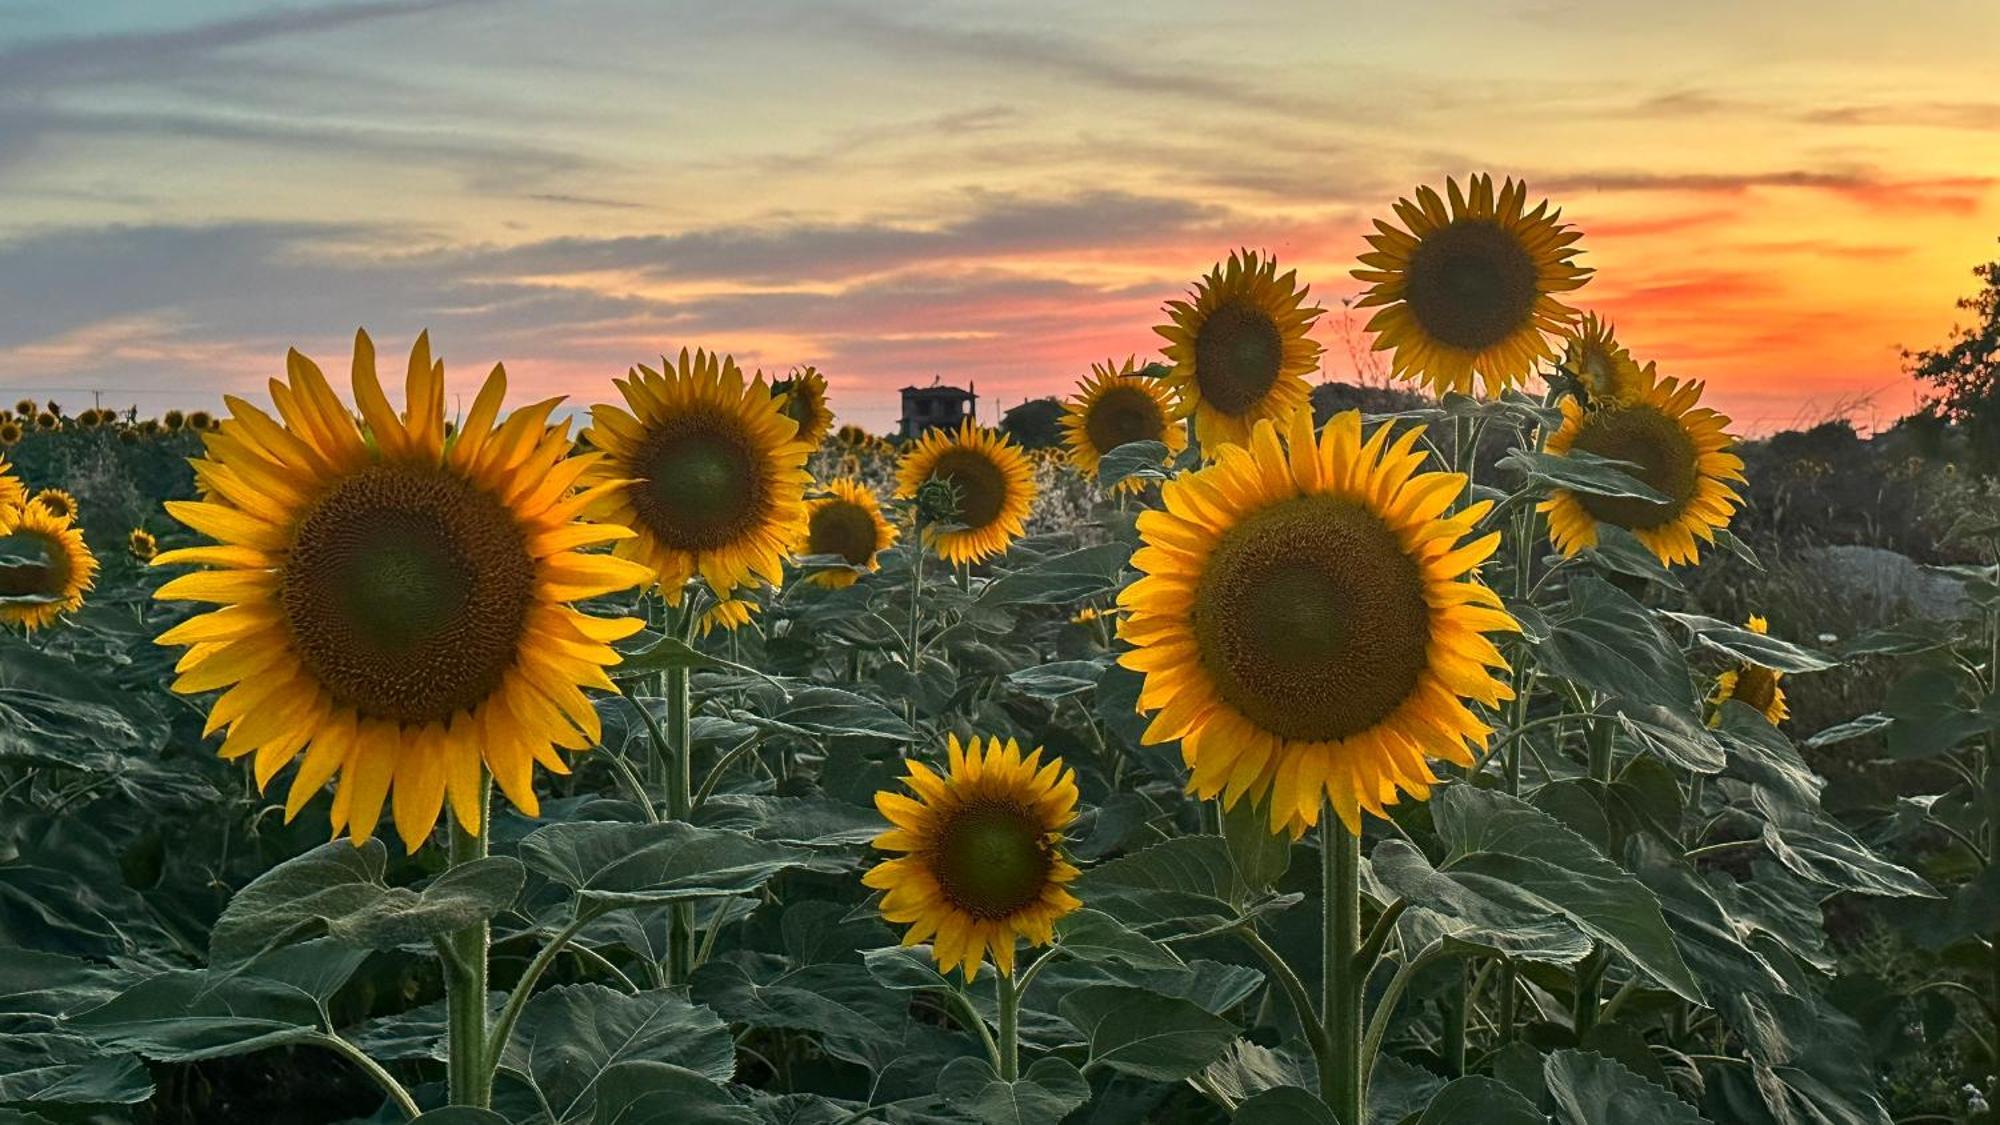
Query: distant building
pixel 927 408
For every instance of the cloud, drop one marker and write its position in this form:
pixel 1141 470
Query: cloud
pixel 1864 186
pixel 1979 116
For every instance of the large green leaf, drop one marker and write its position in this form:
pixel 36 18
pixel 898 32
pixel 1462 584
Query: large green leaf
pixel 643 1092
pixel 1142 460
pixel 1603 639
pixel 1142 1033
pixel 1093 935
pixel 1761 649
pixel 1580 471
pixel 187 1015
pixel 571 1035
pixel 1261 855
pixel 1513 853
pixel 1285 1105
pixel 1931 712
pixel 615 863
pixel 841 1003
pixel 339 887
pixel 1475 1100
pixel 1060 580
pixel 1590 1089
pixel 1045 1094
pixel 50 1069
pixel 1188 879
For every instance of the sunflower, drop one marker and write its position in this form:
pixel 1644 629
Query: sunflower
pixel 44 563
pixel 26 408
pixel 10 432
pixel 47 420
pixel 142 544
pixel 711 474
pixel 1470 289
pixel 1307 623
pixel 1115 406
pixel 13 493
pixel 991 478
pixel 201 420
pixel 728 615
pixel 1681 452
pixel 1754 684
pixel 804 402
pixel 60 504
pixel 846 522
pixel 174 420
pixel 982 863
pixel 1601 366
pixel 393 605
pixel 1240 349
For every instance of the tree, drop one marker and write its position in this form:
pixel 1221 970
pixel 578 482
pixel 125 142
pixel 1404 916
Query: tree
pixel 1966 372
pixel 1036 423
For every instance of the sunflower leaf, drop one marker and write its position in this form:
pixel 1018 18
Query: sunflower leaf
pixel 1139 1032
pixel 1760 649
pixel 1140 460
pixel 1048 1092
pixel 1590 1089
pixel 1581 471
pixel 615 863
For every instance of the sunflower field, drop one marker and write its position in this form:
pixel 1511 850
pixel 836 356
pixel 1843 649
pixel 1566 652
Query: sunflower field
pixel 687 760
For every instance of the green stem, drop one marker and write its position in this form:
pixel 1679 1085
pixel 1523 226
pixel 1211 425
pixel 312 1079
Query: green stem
pixel 1010 1026
pixel 469 1074
pixel 970 1017
pixel 680 804
pixel 373 1069
pixel 1295 991
pixel 1603 735
pixel 1385 1011
pixel 496 1040
pixel 1341 1082
pixel 1456 1001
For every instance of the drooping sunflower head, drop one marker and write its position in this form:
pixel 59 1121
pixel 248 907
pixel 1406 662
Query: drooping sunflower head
pixel 1241 348
pixel 728 615
pixel 1602 366
pixel 1674 446
pixel 1753 684
pixel 56 502
pixel 991 483
pixel 1114 406
pixel 10 432
pixel 803 399
pixel 47 421
pixel 714 474
pixel 1470 288
pixel 394 606
pixel 846 523
pixel 142 545
pixel 1308 624
pixel 45 566
pixel 91 419
pixel 982 865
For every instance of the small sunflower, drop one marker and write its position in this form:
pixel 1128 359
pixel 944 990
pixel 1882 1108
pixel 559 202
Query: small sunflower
pixel 728 615
pixel 711 474
pixel 846 522
pixel 1115 406
pixel 44 563
pixel 1241 349
pixel 142 545
pixel 394 606
pixel 1308 626
pixel 804 402
pixel 1470 289
pixel 10 432
pixel 174 420
pixel 201 420
pixel 1603 367
pixel 1681 451
pixel 993 482
pixel 1754 684
pixel 26 408
pixel 60 504
pixel 983 865
pixel 47 420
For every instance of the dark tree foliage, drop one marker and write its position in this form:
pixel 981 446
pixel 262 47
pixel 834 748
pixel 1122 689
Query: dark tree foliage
pixel 1966 372
pixel 1036 423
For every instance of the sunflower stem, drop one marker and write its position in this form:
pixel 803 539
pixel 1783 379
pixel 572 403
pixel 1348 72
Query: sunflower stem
pixel 680 804
pixel 469 1077
pixel 1340 1079
pixel 1010 1025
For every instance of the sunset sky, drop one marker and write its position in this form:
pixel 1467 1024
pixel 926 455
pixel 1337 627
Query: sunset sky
pixel 1775 195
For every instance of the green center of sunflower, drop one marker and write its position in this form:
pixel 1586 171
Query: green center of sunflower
pixel 992 858
pixel 30 568
pixel 1667 461
pixel 1310 619
pixel 982 488
pixel 406 592
pixel 1755 686
pixel 1471 284
pixel 702 487
pixel 1238 355
pixel 1123 413
pixel 844 528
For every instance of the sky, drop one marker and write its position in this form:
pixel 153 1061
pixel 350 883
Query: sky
pixel 1776 196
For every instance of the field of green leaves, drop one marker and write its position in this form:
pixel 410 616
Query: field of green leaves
pixel 689 761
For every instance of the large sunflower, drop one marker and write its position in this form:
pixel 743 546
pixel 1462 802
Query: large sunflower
pixel 1115 406
pixel 1307 623
pixel 1681 451
pixel 393 604
pixel 848 523
pixel 711 474
pixel 44 563
pixel 1601 365
pixel 1754 684
pixel 1241 349
pixel 13 493
pixel 804 402
pixel 1470 289
pixel 983 864
pixel 994 482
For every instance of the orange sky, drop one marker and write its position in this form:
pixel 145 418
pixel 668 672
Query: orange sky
pixel 1775 196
